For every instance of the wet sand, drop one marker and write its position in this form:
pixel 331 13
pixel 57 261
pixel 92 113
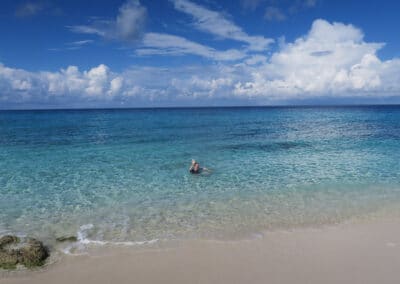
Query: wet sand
pixel 367 252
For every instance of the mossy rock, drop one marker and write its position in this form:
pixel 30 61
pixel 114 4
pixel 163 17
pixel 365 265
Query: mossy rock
pixel 33 254
pixel 8 256
pixel 8 240
pixel 8 260
pixel 30 253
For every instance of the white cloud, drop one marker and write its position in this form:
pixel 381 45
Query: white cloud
pixel 217 24
pixel 256 59
pixel 100 31
pixel 165 44
pixel 331 61
pixel 203 86
pixel 130 20
pixel 80 42
pixel 97 80
pixel 115 86
pixel 127 26
pixel 97 83
pixel 14 81
pixel 74 45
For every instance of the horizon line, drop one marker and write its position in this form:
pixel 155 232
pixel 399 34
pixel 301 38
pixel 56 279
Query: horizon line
pixel 201 107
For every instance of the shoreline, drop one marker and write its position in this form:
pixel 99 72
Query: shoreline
pixel 350 252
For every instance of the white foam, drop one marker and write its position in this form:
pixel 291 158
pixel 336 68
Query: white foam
pixel 83 242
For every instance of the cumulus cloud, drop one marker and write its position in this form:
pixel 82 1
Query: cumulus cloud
pixel 217 24
pixel 127 26
pixel 97 83
pixel 332 61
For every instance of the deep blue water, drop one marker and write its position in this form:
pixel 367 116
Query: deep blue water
pixel 126 171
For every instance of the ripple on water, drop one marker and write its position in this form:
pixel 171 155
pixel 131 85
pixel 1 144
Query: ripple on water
pixel 126 172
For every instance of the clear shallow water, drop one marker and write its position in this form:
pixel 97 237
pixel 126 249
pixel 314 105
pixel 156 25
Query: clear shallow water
pixel 126 171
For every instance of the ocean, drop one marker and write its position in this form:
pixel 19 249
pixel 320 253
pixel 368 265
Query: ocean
pixel 121 175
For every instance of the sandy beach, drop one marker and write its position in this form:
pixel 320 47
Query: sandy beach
pixel 367 252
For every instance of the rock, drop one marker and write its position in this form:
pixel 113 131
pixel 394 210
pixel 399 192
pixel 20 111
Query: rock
pixel 8 256
pixel 8 260
pixel 30 253
pixel 6 240
pixel 67 239
pixel 33 254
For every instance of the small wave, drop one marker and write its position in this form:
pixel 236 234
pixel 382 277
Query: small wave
pixel 84 242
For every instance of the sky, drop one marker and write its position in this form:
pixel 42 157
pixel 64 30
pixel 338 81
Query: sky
pixel 163 53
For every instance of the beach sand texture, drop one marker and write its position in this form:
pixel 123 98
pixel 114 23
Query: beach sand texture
pixel 345 253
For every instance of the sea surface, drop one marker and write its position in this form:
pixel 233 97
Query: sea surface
pixel 121 176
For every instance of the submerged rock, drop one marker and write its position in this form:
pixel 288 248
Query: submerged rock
pixel 30 253
pixel 67 239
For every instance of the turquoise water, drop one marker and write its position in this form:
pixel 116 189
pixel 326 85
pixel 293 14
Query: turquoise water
pixel 122 175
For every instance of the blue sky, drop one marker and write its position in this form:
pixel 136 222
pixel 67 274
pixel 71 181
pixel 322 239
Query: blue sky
pixel 198 53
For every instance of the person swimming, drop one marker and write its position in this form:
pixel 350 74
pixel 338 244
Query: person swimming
pixel 194 167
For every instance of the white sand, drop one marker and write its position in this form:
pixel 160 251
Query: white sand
pixel 346 253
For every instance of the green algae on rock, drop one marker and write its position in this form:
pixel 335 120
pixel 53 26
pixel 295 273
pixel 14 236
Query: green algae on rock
pixel 30 252
pixel 8 257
